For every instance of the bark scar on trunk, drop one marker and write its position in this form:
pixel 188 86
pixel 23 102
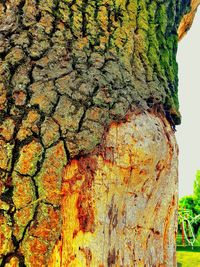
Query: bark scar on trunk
pixel 124 196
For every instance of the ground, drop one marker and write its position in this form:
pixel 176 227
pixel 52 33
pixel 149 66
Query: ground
pixel 188 257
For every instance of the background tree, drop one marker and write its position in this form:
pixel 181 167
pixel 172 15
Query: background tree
pixel 189 213
pixel 197 193
pixel 88 106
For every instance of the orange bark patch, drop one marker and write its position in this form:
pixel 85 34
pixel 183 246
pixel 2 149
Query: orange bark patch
pixel 6 245
pixel 46 224
pixel 170 213
pixel 2 94
pixel 19 97
pixel 49 180
pixel 29 124
pixel 37 250
pixel 22 216
pixel 14 262
pixel 7 129
pixel 80 176
pixel 29 156
pixel 23 191
pixel 5 155
pixel 87 167
pixel 85 212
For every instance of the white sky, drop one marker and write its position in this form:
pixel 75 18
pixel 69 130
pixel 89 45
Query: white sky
pixel 188 134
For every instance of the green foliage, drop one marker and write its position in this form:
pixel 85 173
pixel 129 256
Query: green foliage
pixel 188 211
pixel 189 214
pixel 192 203
pixel 197 193
pixel 187 203
pixel 197 242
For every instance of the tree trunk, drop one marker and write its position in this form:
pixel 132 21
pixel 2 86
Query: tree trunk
pixel 88 157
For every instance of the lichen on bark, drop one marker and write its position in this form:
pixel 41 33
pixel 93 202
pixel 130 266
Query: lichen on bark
pixel 68 69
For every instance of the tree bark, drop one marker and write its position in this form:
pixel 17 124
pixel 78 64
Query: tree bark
pixel 187 20
pixel 88 108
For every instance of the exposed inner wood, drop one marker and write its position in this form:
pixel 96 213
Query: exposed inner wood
pixel 119 202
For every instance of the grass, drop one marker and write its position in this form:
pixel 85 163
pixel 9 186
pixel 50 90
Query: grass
pixel 186 257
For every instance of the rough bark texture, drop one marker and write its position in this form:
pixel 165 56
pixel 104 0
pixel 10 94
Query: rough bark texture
pixel 68 71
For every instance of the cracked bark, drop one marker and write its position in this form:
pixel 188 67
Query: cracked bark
pixel 88 106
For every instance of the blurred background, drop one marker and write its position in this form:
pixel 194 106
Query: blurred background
pixel 188 138
pixel 188 133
